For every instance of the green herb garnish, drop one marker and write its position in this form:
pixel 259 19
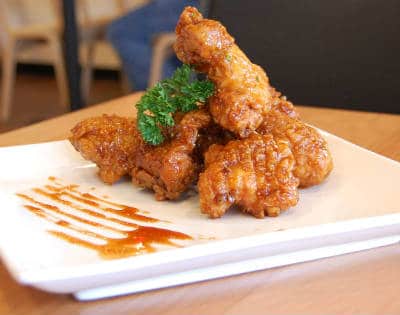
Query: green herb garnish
pixel 181 92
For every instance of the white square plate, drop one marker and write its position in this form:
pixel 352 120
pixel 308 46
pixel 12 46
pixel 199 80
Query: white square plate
pixel 356 208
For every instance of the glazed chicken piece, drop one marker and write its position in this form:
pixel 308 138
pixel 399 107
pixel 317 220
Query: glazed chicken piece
pixel 117 148
pixel 108 141
pixel 254 173
pixel 243 95
pixel 310 150
pixel 169 169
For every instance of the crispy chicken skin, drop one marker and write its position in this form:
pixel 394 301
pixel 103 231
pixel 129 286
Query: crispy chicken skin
pixel 310 150
pixel 169 169
pixel 282 105
pixel 108 141
pixel 254 173
pixel 243 95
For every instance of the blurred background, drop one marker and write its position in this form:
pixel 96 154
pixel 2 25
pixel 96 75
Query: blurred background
pixel 343 54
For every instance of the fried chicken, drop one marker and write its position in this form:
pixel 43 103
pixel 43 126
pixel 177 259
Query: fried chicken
pixel 310 150
pixel 169 169
pixel 243 95
pixel 254 173
pixel 246 147
pixel 108 141
pixel 281 104
pixel 117 148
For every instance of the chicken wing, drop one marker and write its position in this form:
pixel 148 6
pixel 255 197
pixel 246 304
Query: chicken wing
pixel 243 95
pixel 116 146
pixel 254 173
pixel 310 150
pixel 108 141
pixel 169 169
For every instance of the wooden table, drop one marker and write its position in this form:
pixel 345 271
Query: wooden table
pixel 365 282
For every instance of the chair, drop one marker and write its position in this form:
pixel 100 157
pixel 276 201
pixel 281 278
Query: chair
pixel 24 21
pixel 162 43
pixel 93 18
pixel 162 49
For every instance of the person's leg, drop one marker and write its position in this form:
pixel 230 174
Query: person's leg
pixel 168 15
pixel 170 66
pixel 132 34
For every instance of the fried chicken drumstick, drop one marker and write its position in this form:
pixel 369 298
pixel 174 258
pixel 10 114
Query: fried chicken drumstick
pixel 243 94
pixel 254 173
pixel 310 150
pixel 108 141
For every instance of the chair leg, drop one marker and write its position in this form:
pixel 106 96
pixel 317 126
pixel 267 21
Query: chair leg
pixel 157 62
pixel 125 84
pixel 61 74
pixel 8 79
pixel 87 70
pixel 161 49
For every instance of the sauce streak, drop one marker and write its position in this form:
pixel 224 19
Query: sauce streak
pixel 133 238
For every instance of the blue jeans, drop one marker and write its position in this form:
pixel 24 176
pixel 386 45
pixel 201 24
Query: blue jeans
pixel 131 37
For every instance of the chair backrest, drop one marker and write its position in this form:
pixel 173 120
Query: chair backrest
pixel 15 14
pixel 334 53
pixel 91 12
pixel 128 5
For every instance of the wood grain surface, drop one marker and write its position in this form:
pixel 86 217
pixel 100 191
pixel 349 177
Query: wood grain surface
pixel 367 282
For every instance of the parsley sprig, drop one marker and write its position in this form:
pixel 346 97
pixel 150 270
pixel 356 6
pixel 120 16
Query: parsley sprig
pixel 181 92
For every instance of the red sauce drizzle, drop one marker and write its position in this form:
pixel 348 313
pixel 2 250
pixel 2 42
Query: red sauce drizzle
pixel 133 238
